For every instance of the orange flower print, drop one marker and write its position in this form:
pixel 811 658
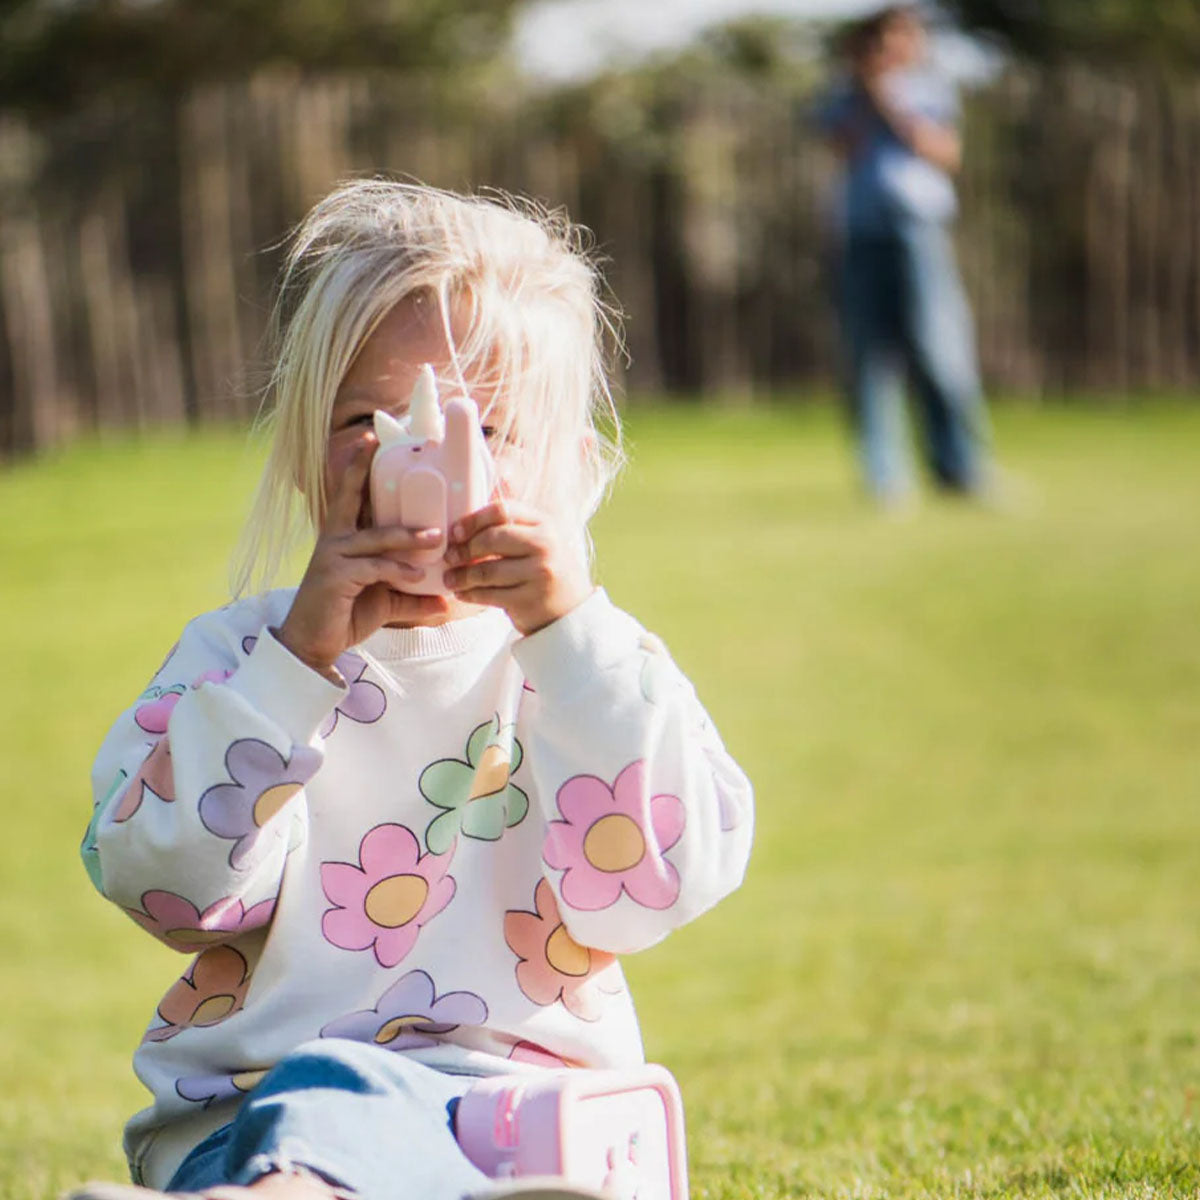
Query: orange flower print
pixel 553 965
pixel 211 992
pixel 155 776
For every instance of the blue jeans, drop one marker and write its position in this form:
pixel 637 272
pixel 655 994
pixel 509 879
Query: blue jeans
pixel 365 1119
pixel 904 315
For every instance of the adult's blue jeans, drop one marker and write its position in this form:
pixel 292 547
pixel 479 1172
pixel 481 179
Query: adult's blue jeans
pixel 365 1119
pixel 905 317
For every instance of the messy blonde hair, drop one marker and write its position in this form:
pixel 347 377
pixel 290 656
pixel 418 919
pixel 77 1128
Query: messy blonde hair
pixel 519 282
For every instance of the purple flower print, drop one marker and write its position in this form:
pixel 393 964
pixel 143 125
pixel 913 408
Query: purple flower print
pixel 365 702
pixel 207 1089
pixel 180 924
pixel 409 1014
pixel 263 782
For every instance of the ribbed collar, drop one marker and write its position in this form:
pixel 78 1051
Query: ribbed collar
pixel 438 641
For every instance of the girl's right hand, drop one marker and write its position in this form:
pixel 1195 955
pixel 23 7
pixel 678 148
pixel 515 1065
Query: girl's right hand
pixel 352 585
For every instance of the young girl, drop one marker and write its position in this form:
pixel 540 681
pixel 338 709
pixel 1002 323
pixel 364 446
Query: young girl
pixel 404 837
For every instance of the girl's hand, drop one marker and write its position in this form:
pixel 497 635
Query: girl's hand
pixel 353 586
pixel 508 555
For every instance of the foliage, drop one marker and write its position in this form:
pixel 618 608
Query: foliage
pixel 1101 31
pixel 58 54
pixel 965 959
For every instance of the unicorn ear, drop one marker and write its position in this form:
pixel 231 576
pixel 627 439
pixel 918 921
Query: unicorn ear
pixel 388 429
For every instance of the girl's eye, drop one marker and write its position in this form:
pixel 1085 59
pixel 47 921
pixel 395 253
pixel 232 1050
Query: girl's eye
pixel 489 431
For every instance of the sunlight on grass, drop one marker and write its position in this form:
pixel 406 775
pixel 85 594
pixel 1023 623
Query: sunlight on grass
pixel 965 961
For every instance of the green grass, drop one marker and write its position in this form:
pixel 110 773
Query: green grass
pixel 966 961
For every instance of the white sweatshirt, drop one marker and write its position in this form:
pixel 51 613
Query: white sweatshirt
pixel 441 858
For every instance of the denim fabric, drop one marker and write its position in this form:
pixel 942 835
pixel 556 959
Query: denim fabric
pixel 904 316
pixel 366 1119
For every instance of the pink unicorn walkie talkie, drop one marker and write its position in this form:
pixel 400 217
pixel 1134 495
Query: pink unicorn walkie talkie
pixel 431 469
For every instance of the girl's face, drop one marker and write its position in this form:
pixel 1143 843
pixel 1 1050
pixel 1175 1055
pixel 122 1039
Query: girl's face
pixel 382 376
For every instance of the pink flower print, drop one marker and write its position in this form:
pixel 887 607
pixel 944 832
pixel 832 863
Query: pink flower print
pixel 155 775
pixel 207 1089
pixel 384 901
pixel 157 704
pixel 553 966
pixel 612 840
pixel 263 782
pixel 214 675
pixel 179 923
pixel 213 989
pixel 410 1014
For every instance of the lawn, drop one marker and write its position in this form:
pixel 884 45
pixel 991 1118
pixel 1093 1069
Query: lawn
pixel 966 961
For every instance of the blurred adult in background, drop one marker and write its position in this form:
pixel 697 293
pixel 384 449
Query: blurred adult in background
pixel 893 123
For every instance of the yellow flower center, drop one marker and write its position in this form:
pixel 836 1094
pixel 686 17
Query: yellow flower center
pixel 245 1080
pixel 394 901
pixel 614 843
pixel 214 1009
pixel 272 800
pixel 395 1027
pixel 491 775
pixel 566 955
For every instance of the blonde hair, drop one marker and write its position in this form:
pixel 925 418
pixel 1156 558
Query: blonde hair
pixel 517 278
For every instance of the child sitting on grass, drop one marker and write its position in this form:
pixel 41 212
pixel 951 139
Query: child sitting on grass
pixel 405 836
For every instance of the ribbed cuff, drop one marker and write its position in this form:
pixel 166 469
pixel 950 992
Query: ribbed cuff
pixel 592 637
pixel 277 684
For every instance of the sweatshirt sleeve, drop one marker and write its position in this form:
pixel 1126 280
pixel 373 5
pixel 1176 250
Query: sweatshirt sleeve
pixel 648 819
pixel 199 785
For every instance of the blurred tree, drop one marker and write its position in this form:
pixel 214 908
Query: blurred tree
pixel 1157 32
pixel 56 53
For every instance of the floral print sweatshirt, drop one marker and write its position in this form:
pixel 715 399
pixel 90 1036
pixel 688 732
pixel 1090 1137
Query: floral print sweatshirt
pixel 442 857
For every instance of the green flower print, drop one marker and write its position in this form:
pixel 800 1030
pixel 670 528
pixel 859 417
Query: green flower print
pixel 476 796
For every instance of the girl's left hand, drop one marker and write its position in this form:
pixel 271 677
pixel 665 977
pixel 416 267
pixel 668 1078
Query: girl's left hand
pixel 508 555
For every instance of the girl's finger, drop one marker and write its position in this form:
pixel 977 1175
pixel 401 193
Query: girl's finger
pixel 507 598
pixel 342 514
pixel 493 573
pixel 387 570
pixel 388 539
pixel 503 541
pixel 498 512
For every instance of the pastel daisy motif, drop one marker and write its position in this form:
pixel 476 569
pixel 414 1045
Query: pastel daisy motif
pixel 553 966
pixel 476 794
pixel 612 840
pixel 208 1089
pixel 211 992
pixel 382 902
pixel 410 1014
pixel 180 924
pixel 155 775
pixel 263 782
pixel 364 704
pixel 155 706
